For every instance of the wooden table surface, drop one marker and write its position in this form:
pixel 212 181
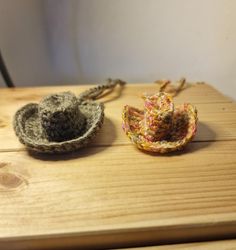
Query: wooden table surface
pixel 112 194
pixel 207 245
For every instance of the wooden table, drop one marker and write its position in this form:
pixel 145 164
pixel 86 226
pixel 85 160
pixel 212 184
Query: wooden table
pixel 113 195
pixel 206 245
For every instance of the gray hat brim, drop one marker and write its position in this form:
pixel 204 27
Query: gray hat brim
pixel 27 128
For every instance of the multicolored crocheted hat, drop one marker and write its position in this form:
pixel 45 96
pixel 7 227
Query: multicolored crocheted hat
pixel 62 122
pixel 160 127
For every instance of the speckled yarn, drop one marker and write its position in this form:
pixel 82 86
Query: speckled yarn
pixel 160 127
pixel 158 111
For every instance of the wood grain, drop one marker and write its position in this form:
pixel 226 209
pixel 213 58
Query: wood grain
pixel 89 193
pixel 199 93
pixel 211 245
pixel 113 195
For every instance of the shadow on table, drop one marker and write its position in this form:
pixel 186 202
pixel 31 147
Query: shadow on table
pixel 118 92
pixel 194 146
pixel 93 148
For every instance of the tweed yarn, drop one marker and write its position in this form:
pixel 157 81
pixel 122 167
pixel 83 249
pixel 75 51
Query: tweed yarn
pixel 61 122
pixel 60 117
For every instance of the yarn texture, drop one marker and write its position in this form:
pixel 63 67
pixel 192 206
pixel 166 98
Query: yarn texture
pixel 160 127
pixel 62 122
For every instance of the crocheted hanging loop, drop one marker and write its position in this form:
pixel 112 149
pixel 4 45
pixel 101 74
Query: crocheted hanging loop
pixel 98 91
pixel 160 126
pixel 62 122
pixel 175 90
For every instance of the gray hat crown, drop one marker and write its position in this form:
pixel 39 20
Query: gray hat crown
pixel 60 117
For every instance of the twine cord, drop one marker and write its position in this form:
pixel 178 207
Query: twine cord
pixel 165 83
pixel 96 92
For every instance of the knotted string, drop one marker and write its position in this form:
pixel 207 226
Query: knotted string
pixel 165 83
pixel 98 91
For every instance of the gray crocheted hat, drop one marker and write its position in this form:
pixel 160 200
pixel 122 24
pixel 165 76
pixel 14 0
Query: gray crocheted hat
pixel 61 122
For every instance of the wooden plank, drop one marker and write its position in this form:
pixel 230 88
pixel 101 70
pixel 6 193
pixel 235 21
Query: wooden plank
pixel 217 121
pixel 117 196
pixel 199 93
pixel 210 245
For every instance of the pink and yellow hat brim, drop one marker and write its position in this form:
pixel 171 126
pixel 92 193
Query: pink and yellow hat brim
pixel 183 129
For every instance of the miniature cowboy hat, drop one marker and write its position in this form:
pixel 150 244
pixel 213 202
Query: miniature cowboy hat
pixel 61 122
pixel 160 127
